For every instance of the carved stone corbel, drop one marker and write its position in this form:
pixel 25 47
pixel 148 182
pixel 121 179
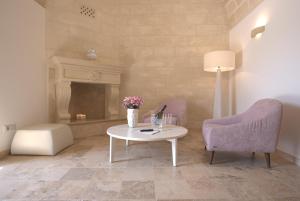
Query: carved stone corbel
pixel 112 101
pixel 63 96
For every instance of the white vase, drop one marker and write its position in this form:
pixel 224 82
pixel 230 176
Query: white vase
pixel 91 54
pixel 132 117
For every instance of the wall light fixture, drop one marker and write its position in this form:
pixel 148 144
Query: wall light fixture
pixel 257 32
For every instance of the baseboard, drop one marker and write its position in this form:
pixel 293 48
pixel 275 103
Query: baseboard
pixel 93 128
pixel 4 153
pixel 298 161
pixel 289 157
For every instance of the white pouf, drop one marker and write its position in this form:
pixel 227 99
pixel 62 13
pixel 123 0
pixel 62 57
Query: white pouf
pixel 43 139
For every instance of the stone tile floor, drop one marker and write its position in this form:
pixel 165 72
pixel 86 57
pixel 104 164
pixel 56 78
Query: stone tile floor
pixel 143 171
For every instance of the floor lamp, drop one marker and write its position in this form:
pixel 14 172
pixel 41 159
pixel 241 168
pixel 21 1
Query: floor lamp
pixel 219 61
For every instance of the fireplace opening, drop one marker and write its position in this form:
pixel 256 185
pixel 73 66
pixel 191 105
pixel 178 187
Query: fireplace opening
pixel 87 99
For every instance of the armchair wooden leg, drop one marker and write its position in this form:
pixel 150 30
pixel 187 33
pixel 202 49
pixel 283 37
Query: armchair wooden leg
pixel 212 157
pixel 253 154
pixel 205 148
pixel 268 159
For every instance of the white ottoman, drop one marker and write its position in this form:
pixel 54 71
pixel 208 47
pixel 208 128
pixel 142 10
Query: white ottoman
pixel 43 139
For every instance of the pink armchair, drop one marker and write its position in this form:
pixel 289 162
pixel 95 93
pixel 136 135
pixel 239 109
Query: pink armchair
pixel 255 130
pixel 176 107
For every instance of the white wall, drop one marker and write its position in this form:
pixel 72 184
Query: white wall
pixel 271 65
pixel 22 65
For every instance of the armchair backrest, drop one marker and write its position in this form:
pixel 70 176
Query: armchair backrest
pixel 262 109
pixel 264 120
pixel 176 107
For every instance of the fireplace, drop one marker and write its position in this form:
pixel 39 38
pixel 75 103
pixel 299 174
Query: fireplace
pixel 84 87
pixel 87 99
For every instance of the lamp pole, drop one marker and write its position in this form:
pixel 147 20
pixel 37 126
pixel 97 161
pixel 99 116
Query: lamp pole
pixel 219 61
pixel 217 113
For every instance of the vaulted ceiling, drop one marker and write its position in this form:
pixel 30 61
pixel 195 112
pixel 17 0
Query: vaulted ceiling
pixel 41 2
pixel 236 10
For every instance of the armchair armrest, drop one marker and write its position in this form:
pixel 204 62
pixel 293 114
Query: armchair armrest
pixel 225 120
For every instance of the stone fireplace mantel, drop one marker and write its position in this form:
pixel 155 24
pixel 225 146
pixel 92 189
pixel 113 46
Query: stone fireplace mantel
pixel 68 70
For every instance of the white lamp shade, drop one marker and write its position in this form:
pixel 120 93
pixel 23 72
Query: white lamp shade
pixel 223 60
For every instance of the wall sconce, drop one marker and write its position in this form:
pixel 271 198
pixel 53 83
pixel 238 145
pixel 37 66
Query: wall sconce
pixel 257 32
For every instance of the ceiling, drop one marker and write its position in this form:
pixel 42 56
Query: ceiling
pixel 41 2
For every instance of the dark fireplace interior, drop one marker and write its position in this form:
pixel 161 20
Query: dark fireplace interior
pixel 88 99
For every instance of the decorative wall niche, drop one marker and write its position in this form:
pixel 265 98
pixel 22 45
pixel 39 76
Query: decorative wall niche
pixel 87 11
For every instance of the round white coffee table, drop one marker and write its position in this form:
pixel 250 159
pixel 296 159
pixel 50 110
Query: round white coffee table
pixel 170 133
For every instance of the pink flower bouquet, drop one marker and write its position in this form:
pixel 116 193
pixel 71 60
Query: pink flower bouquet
pixel 133 102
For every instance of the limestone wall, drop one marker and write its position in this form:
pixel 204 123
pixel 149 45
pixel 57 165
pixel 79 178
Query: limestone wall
pixel 71 34
pixel 161 46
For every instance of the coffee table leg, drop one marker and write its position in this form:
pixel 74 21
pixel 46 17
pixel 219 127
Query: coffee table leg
pixel 174 151
pixel 127 143
pixel 111 151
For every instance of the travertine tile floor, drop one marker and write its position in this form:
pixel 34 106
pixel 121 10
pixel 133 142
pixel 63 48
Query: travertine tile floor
pixel 144 171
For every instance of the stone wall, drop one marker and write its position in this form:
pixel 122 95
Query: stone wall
pixel 238 9
pixel 159 43
pixel 161 46
pixel 71 34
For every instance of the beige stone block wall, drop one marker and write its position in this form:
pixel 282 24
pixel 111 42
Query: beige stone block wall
pixel 238 9
pixel 161 46
pixel 71 34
